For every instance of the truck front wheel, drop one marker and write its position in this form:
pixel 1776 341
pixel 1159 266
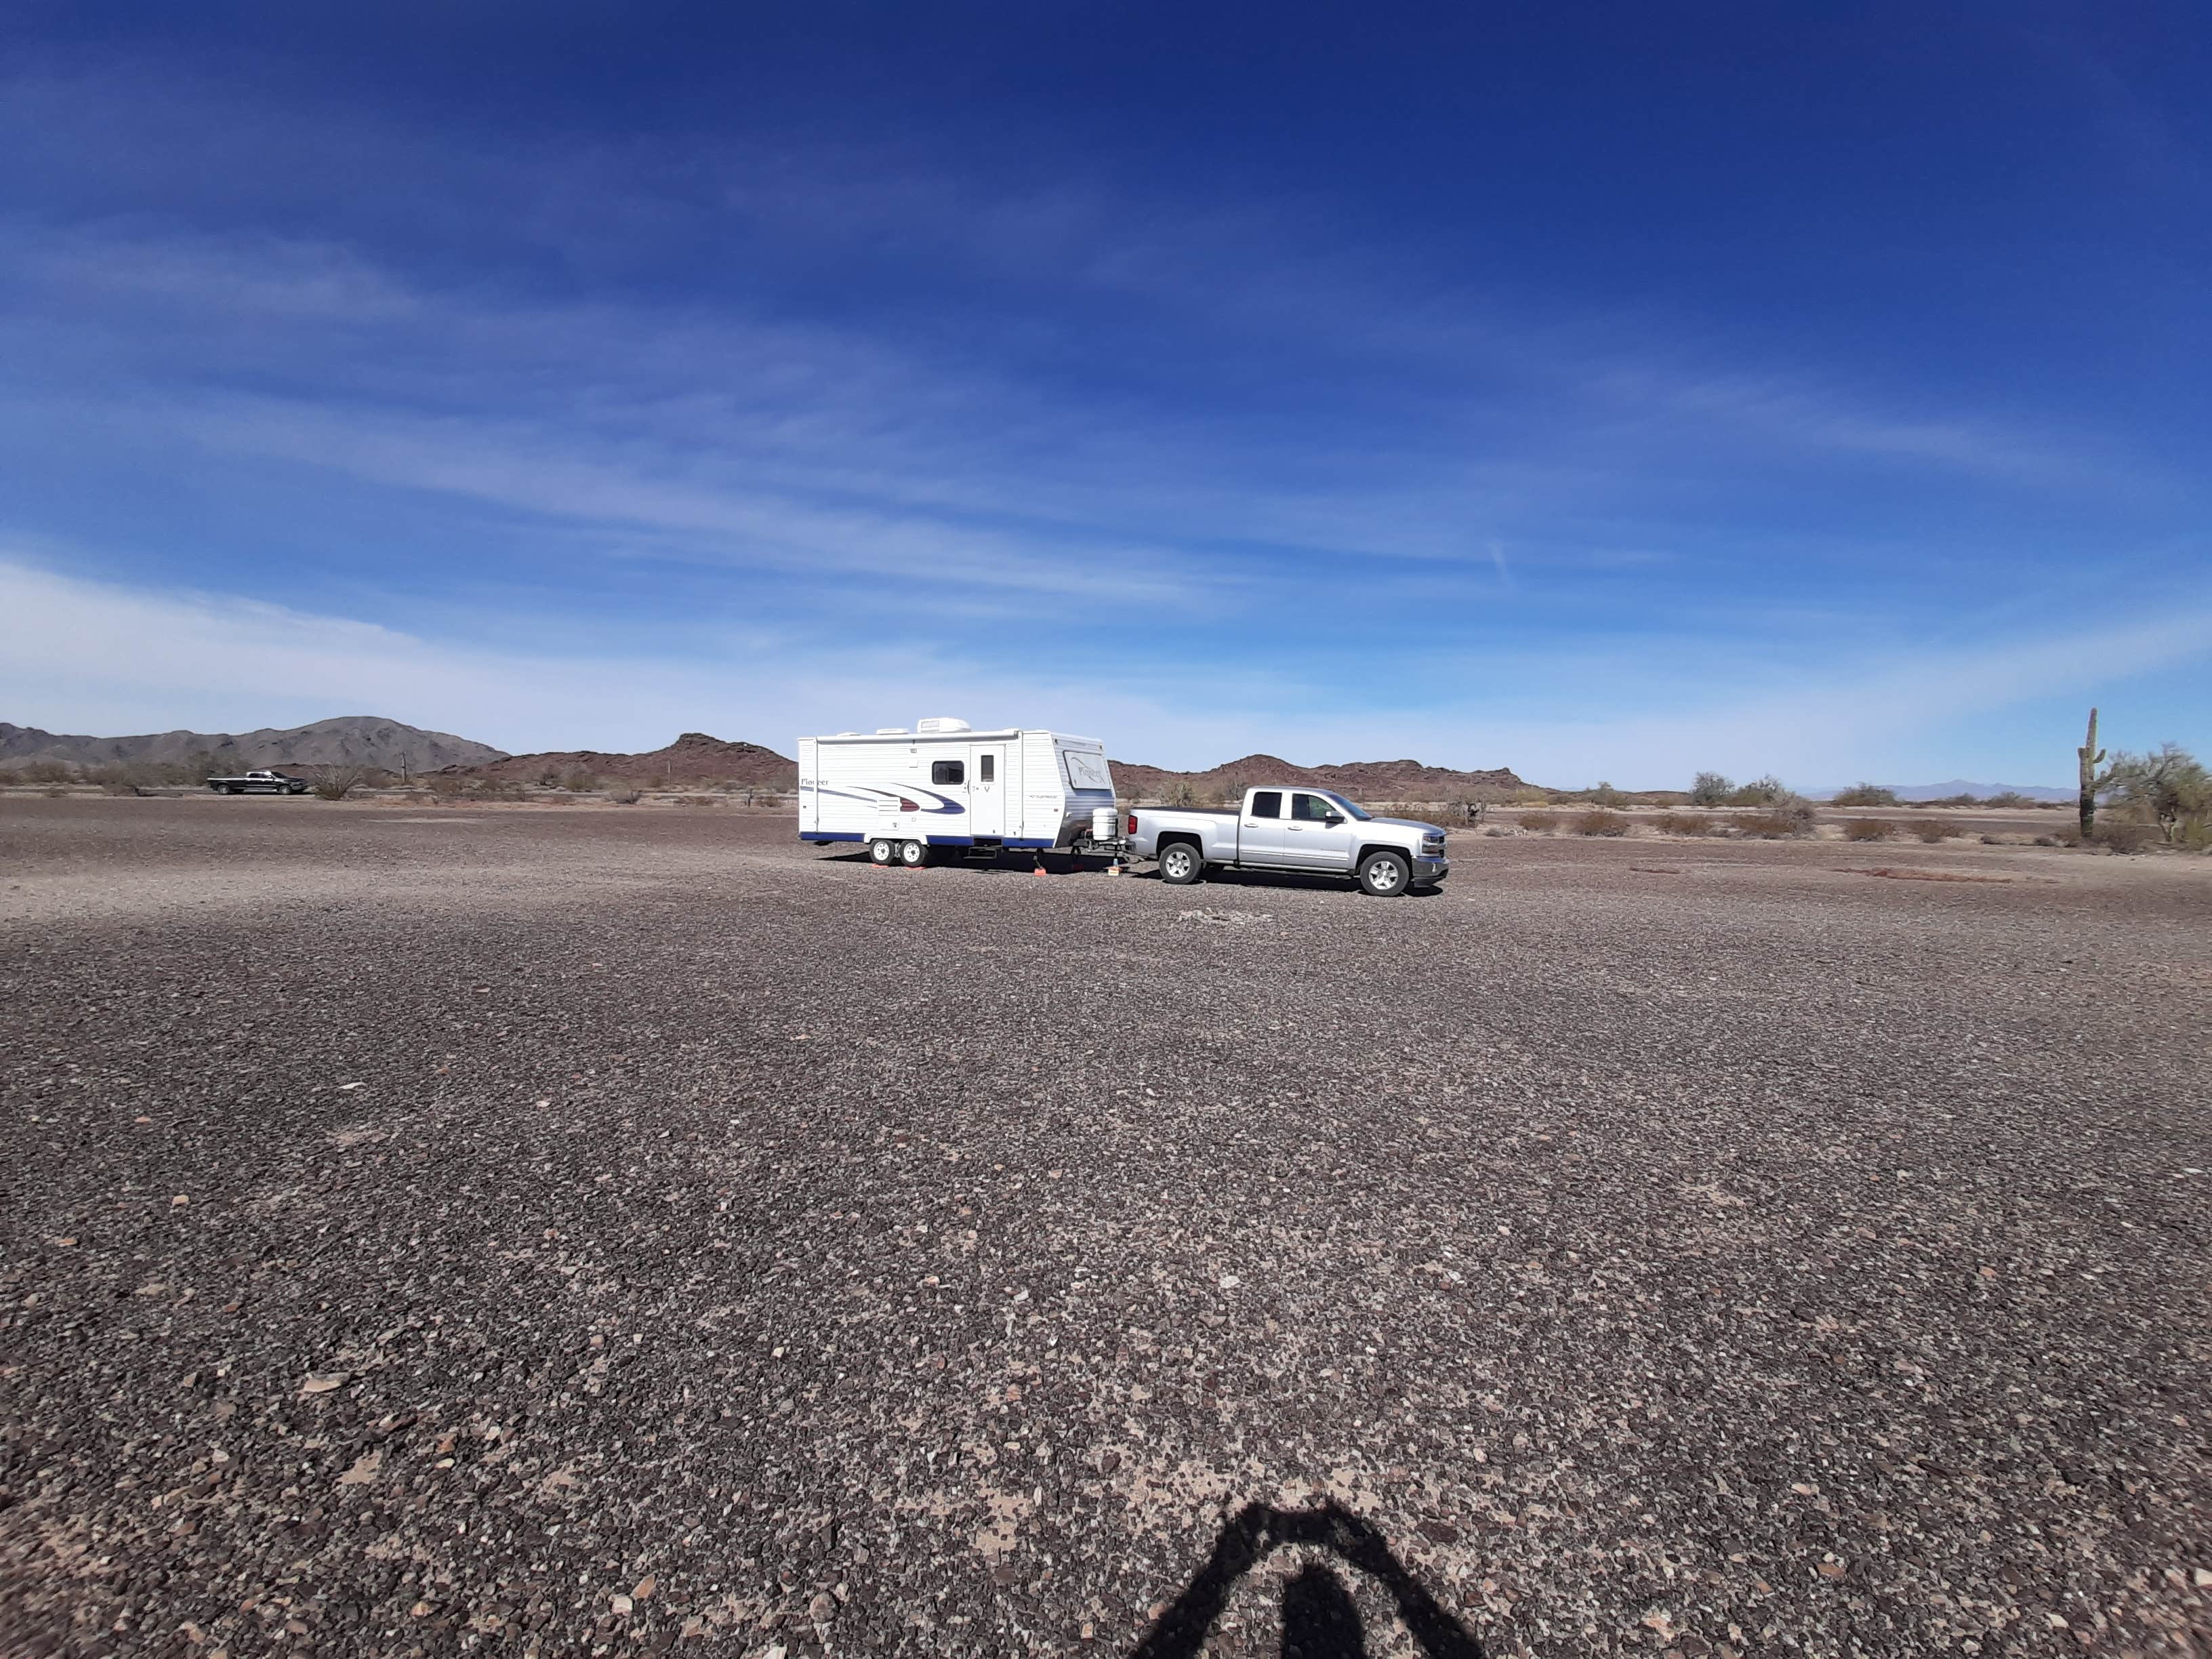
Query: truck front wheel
pixel 1180 864
pixel 1383 874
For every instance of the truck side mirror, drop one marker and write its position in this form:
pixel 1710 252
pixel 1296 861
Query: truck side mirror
pixel 1332 819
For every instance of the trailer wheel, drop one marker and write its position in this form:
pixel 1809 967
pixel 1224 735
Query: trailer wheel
pixel 1180 864
pixel 914 853
pixel 1383 874
pixel 881 852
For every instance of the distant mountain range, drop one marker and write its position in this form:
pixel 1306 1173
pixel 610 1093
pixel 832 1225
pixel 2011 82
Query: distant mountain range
pixel 1363 780
pixel 1955 786
pixel 366 740
pixel 694 757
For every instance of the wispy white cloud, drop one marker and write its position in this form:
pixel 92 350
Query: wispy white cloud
pixel 115 658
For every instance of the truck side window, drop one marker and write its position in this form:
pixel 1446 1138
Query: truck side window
pixel 1309 809
pixel 952 771
pixel 990 764
pixel 1267 804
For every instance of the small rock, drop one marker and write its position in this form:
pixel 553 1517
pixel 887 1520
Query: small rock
pixel 645 1587
pixel 622 1604
pixel 323 1382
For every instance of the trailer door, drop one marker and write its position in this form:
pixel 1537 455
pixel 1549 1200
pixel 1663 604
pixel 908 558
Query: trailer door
pixel 987 790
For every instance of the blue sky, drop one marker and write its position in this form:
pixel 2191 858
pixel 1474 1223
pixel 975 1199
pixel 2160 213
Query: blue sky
pixel 1603 391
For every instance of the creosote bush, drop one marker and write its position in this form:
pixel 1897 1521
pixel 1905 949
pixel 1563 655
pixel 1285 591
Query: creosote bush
pixel 1866 794
pixel 1778 825
pixel 1600 823
pixel 1937 830
pixel 1711 789
pixel 1542 823
pixel 625 796
pixel 1868 829
pixel 1684 823
pixel 2124 835
pixel 338 784
pixel 696 801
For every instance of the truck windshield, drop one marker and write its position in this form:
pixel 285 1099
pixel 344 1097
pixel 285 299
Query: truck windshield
pixel 1349 810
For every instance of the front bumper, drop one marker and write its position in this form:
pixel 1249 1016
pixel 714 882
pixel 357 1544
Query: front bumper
pixel 1428 872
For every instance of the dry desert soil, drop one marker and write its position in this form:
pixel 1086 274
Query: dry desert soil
pixel 601 1231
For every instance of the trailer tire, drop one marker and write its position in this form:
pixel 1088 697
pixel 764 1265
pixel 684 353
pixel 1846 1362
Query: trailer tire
pixel 1180 864
pixel 882 853
pixel 1385 875
pixel 914 853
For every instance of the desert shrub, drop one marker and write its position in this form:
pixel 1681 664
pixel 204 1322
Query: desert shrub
pixel 1768 790
pixel 47 772
pixel 2013 798
pixel 1599 822
pixel 9 779
pixel 2168 787
pixel 1530 796
pixel 624 797
pixel 1868 829
pixel 1953 800
pixel 54 791
pixel 1711 789
pixel 1606 795
pixel 2123 835
pixel 495 789
pixel 2195 836
pixel 2049 841
pixel 1542 823
pixel 1866 794
pixel 445 784
pixel 696 801
pixel 1935 830
pixel 1684 823
pixel 1781 823
pixel 337 783
pixel 115 788
pixel 579 781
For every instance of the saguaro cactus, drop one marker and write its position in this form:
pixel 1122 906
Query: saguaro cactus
pixel 2092 757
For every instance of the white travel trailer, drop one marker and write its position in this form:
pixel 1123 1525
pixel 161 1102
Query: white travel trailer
pixel 910 794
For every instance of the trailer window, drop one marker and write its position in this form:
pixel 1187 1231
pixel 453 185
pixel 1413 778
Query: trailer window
pixel 1086 768
pixel 952 771
pixel 1267 804
pixel 990 765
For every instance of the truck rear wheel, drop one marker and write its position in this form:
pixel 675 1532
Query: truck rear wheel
pixel 1384 874
pixel 1180 864
pixel 882 852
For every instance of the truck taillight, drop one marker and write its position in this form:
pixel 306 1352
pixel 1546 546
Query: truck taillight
pixel 1132 828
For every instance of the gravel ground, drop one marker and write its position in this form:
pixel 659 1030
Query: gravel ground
pixel 566 1232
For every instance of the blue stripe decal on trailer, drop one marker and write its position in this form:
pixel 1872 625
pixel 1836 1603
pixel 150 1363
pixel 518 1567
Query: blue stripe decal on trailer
pixel 1012 841
pixel 830 834
pixel 951 841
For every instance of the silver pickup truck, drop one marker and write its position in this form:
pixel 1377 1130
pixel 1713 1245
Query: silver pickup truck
pixel 1285 827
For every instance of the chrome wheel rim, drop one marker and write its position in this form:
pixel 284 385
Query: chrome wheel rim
pixel 1382 876
pixel 1178 863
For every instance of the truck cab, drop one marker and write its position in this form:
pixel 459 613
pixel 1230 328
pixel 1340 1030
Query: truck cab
pixel 1295 828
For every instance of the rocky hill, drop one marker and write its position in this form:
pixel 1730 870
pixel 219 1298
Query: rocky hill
pixel 1363 780
pixel 365 740
pixel 694 757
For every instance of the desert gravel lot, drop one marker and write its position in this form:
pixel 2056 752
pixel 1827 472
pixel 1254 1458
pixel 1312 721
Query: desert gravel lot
pixel 485 1229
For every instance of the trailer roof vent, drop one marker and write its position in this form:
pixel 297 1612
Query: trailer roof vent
pixel 942 723
pixel 891 731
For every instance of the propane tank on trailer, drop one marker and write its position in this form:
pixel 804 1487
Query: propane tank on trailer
pixel 1102 825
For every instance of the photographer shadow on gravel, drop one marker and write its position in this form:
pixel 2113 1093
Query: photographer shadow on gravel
pixel 1320 1620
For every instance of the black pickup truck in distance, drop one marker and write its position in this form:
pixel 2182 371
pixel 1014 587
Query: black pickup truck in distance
pixel 259 783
